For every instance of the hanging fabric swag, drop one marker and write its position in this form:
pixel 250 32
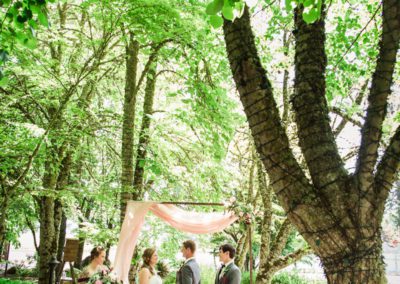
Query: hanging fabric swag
pixel 191 222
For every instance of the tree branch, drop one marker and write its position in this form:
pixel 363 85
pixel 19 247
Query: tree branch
pixel 379 92
pixel 345 116
pixel 287 260
pixel 150 60
pixel 316 138
pixel 387 169
pixel 256 94
pixel 32 229
pixel 357 102
pixel 280 240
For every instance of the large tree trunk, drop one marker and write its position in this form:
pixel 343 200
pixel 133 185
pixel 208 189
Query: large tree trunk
pixel 367 267
pixel 56 173
pixel 132 51
pixel 49 213
pixel 338 214
pixel 47 236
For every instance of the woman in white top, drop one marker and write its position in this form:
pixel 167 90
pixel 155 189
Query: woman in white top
pixel 147 273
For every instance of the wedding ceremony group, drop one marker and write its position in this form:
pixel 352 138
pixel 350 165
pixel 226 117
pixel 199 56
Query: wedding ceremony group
pixel 257 140
pixel 188 273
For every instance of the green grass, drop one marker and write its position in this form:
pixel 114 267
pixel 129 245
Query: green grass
pixel 14 281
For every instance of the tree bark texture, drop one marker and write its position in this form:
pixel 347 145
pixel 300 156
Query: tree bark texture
pixel 271 259
pixel 144 136
pixel 56 173
pixel 3 218
pixel 131 89
pixel 128 124
pixel 339 214
pixel 242 249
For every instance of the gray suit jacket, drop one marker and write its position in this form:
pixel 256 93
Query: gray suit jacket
pixel 231 275
pixel 189 273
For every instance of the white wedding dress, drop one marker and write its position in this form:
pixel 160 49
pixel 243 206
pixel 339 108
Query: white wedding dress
pixel 155 279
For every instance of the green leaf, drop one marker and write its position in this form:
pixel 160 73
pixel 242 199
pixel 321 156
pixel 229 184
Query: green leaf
pixel 43 19
pixel 214 7
pixel 32 24
pixel 21 37
pixel 3 81
pixel 311 16
pixel 227 12
pixel 288 5
pixel 239 6
pixel 31 42
pixel 155 169
pixel 210 10
pixel 218 5
pixel 35 9
pixel 308 3
pixel 216 21
pixel 142 163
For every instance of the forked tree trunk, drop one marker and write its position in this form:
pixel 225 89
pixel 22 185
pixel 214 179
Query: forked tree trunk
pixel 131 90
pixel 339 214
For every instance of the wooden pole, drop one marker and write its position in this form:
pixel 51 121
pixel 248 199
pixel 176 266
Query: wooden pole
pixel 192 203
pixel 250 255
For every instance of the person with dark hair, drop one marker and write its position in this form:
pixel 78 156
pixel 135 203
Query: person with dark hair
pixel 96 265
pixel 228 273
pixel 147 273
pixel 189 273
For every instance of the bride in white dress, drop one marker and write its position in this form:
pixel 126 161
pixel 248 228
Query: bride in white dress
pixel 147 273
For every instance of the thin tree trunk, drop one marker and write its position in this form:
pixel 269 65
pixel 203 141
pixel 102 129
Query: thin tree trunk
pixel 285 91
pixel 144 137
pixel 3 218
pixel 240 259
pixel 32 229
pixel 62 236
pixel 61 241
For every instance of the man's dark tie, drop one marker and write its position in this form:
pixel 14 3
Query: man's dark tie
pixel 220 270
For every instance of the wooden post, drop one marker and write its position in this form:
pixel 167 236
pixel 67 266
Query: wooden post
pixel 6 256
pixel 193 203
pixel 250 254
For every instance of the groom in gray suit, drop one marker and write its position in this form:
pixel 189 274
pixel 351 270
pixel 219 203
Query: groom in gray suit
pixel 189 273
pixel 229 273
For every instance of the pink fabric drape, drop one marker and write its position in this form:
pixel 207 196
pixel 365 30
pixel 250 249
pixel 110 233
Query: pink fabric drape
pixel 192 222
